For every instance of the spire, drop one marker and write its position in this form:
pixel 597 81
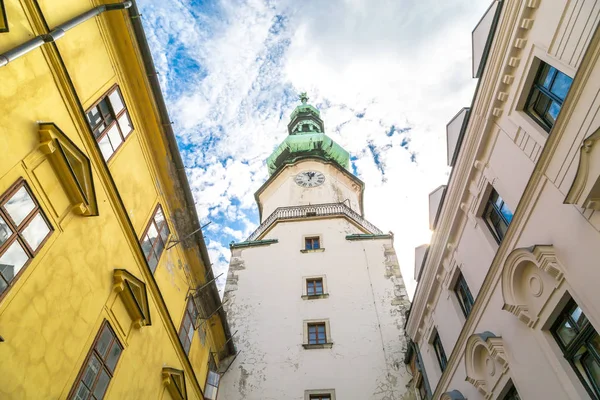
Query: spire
pixel 305 118
pixel 307 139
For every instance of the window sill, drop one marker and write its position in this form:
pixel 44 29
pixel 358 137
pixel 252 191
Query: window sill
pixel 315 296
pixel 313 251
pixel 317 346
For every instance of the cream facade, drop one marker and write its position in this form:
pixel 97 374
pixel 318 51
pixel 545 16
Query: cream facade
pixel 315 296
pixel 507 305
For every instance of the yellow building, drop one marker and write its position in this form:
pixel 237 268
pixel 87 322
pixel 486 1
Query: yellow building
pixel 105 284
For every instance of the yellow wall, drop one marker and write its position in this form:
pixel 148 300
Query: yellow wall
pixel 51 315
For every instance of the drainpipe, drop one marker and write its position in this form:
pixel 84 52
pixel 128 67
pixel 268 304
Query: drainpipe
pixel 58 32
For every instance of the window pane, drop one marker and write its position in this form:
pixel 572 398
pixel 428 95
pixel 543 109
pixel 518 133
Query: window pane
pixel 82 393
pixel 553 111
pixel 36 231
pixel 105 111
pixel 561 85
pixel 12 261
pixel 566 332
pixel 113 356
pixel 152 233
pixel 20 205
pixel 508 215
pixel 158 247
pixel 94 117
pixel 105 147
pixel 116 102
pixel 101 385
pixel 578 316
pixel 5 231
pixel 152 261
pixel 115 136
pixel 125 124
pixel 104 341
pixel 311 289
pixel 213 378
pixel 210 392
pixel 3 285
pixel 316 243
pixel 541 105
pixel 547 75
pixel 91 371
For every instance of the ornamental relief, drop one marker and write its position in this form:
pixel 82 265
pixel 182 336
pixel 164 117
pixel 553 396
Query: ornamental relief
pixel 486 363
pixel 529 278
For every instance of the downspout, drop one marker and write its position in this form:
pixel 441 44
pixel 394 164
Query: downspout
pixel 165 121
pixel 58 32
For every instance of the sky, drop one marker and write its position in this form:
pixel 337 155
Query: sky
pixel 387 76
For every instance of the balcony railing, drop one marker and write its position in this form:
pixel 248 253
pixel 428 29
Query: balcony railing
pixel 320 210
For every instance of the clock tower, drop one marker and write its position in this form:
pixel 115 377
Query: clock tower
pixel 315 293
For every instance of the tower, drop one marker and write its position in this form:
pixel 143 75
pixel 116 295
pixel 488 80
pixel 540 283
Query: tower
pixel 315 294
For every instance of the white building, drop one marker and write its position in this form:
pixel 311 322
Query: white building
pixel 507 304
pixel 315 294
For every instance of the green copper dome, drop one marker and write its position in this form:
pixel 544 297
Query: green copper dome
pixel 306 139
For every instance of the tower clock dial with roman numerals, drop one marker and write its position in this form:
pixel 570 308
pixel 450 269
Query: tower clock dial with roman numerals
pixel 309 179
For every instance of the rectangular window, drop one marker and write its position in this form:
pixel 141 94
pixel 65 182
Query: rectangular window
pixel 464 295
pixel 23 230
pixel 580 344
pixel 186 331
pixel 320 397
pixel 314 286
pixel 439 351
pixel 547 95
pixel 316 333
pixel 311 243
pixel 155 238
pixel 110 122
pixel 3 19
pixel 99 366
pixel 212 380
pixel 497 216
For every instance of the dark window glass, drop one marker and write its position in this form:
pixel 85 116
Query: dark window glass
pixel 497 216
pixel 316 333
pixel 547 95
pixel 3 19
pixel 439 351
pixel 186 331
pixel 23 230
pixel 464 295
pixel 580 344
pixel 512 394
pixel 311 243
pixel 314 286
pixel 155 238
pixel 212 380
pixel 320 397
pixel 110 122
pixel 99 366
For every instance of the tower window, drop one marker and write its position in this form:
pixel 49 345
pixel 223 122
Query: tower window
pixel 110 122
pixel 312 243
pixel 314 287
pixel 316 333
pixel 464 295
pixel 547 95
pixel 99 366
pixel 497 216
pixel 319 394
pixel 580 344
pixel 439 351
pixel 155 238
pixel 23 230
pixel 320 397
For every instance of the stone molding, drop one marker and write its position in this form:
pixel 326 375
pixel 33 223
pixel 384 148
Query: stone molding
pixel 485 362
pixel 522 265
pixel 583 191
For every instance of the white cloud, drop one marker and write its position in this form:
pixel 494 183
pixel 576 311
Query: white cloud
pixel 394 62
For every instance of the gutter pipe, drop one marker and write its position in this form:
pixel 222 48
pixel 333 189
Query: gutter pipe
pixel 58 32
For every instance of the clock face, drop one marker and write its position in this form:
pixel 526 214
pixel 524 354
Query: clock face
pixel 309 179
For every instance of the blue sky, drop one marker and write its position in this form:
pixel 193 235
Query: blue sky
pixel 387 76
